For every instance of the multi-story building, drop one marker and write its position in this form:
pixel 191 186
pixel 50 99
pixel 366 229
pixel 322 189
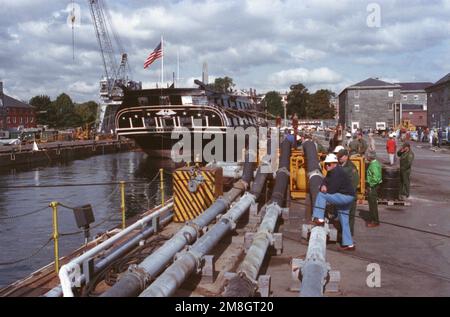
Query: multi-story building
pixel 414 103
pixel 372 103
pixel 439 103
pixel 15 113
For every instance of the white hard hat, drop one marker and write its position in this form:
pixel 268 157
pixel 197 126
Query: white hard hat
pixel 331 158
pixel 348 135
pixel 338 148
pixel 392 135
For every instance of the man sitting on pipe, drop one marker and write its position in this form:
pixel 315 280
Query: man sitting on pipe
pixel 337 190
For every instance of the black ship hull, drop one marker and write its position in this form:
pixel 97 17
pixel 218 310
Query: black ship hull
pixel 159 119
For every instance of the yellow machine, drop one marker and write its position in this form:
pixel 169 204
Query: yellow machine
pixel 194 190
pixel 299 179
pixel 406 124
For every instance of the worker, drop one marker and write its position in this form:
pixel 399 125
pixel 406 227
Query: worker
pixel 278 122
pixel 353 146
pixel 289 135
pixel 337 190
pixel 431 137
pixel 352 172
pixel 406 159
pixel 362 144
pixel 295 127
pixel 338 148
pixel 391 148
pixel 374 180
pixel 439 137
pixel 348 140
pixel 371 143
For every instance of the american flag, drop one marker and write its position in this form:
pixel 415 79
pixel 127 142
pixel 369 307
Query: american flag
pixel 157 53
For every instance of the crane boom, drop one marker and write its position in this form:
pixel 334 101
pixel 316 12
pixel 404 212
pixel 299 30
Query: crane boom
pixel 103 39
pixel 115 76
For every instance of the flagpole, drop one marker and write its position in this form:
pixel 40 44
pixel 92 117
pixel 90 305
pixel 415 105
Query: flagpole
pixel 178 67
pixel 162 62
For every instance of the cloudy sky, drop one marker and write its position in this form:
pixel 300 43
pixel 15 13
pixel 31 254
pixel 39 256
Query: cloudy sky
pixel 262 44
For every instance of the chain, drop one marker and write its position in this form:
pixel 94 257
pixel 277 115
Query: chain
pixel 28 257
pixel 25 214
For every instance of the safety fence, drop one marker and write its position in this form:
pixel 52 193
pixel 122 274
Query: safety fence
pixel 137 189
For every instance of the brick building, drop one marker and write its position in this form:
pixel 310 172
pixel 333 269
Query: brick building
pixel 15 113
pixel 414 102
pixel 439 103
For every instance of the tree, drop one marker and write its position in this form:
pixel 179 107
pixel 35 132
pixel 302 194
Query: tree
pixel 41 106
pixel 274 103
pixel 297 100
pixel 222 84
pixel 65 115
pixel 319 106
pixel 87 112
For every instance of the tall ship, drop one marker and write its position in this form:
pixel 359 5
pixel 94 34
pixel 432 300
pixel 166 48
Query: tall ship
pixel 150 116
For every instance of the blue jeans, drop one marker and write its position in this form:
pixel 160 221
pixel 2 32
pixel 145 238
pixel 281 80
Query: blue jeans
pixel 343 205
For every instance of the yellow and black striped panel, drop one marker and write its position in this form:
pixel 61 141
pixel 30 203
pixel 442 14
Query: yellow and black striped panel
pixel 189 205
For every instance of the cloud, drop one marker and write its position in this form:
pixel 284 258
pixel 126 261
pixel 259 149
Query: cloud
pixel 82 87
pixel 316 76
pixel 263 44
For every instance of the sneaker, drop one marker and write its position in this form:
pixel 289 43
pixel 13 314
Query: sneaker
pixel 347 247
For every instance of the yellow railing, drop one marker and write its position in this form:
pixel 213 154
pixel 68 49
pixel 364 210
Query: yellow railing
pixel 54 205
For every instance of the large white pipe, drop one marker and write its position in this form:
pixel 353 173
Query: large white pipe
pixel 70 273
pixel 315 268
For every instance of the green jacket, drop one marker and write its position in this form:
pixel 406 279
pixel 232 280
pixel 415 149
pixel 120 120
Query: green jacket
pixel 406 160
pixel 374 177
pixel 352 172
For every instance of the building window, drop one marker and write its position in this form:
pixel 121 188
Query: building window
pixel 14 120
pixel 391 94
pixel 356 108
pixel 390 107
pixel 8 120
pixel 356 94
pixel 21 120
pixel 416 97
pixel 405 97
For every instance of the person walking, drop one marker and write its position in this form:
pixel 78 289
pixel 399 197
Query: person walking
pixel 374 179
pixel 439 137
pixel 406 159
pixel 371 147
pixel 337 190
pixel 431 137
pixel 419 134
pixel 391 147
pixel 352 172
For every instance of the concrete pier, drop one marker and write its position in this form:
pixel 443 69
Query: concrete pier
pixel 59 152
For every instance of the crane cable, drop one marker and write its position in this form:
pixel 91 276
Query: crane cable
pixel 72 20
